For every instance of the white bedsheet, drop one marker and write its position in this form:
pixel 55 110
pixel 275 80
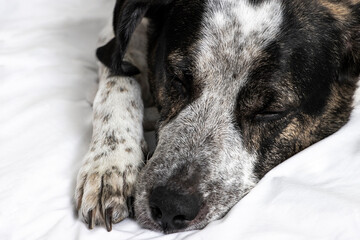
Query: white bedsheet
pixel 47 82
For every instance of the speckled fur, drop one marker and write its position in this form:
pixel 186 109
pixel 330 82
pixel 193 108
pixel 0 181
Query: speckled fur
pixel 202 142
pixel 116 153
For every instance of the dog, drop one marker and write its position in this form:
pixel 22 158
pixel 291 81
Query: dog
pixel 240 86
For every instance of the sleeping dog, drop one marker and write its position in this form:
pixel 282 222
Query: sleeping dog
pixel 240 85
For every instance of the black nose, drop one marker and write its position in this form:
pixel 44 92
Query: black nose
pixel 173 210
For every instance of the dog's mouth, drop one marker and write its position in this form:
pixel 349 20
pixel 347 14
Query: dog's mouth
pixel 168 206
pixel 151 218
pixel 186 190
pixel 170 210
pixel 198 171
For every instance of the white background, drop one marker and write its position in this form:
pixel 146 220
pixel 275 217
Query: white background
pixel 47 82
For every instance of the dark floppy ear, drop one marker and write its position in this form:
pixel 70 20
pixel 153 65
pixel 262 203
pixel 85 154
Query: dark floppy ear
pixel 351 62
pixel 127 16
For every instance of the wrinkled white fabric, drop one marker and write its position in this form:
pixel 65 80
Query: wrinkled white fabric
pixel 47 82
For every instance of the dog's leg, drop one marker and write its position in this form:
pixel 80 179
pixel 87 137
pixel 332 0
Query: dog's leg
pixel 105 182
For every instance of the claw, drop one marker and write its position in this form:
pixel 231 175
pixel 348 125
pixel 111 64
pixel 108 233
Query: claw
pixel 91 215
pixel 108 219
pixel 130 205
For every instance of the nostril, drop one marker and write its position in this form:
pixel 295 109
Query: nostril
pixel 180 220
pixel 156 213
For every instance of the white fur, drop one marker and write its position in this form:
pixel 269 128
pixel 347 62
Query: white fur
pixel 356 102
pixel 117 144
pixel 229 24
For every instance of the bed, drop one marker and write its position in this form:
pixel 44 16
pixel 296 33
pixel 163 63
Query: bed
pixel 48 81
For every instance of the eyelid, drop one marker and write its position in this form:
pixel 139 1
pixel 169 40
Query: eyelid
pixel 269 113
pixel 274 106
pixel 268 116
pixel 274 110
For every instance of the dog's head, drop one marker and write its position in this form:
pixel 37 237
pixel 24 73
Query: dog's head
pixel 241 86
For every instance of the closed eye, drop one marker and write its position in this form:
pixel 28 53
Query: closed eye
pixel 270 115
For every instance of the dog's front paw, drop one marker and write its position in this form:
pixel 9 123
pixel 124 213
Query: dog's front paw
pixel 104 190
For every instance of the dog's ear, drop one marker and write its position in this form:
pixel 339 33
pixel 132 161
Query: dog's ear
pixel 351 61
pixel 127 16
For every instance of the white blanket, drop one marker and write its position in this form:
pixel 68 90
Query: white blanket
pixel 47 83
